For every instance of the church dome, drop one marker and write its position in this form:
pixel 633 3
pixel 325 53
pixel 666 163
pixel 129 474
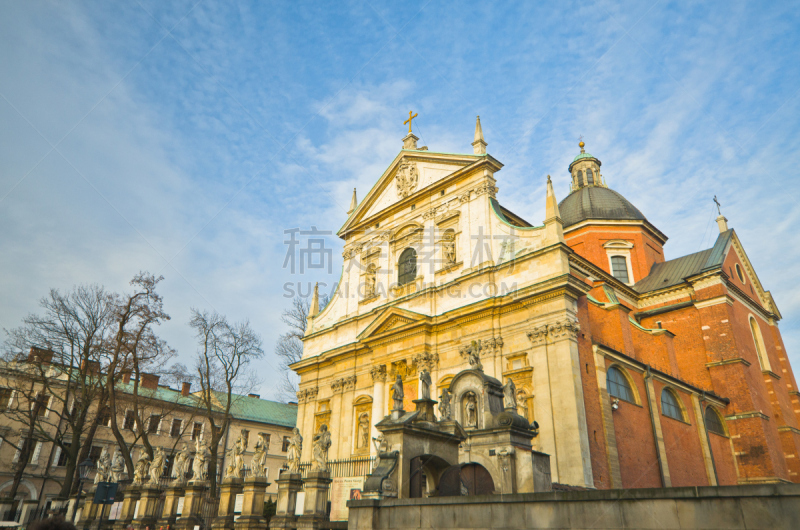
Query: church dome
pixel 596 202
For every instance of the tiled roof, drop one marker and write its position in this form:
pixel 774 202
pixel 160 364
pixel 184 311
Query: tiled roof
pixel 674 271
pixel 262 410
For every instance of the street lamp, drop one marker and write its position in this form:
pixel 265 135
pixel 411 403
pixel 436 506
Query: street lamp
pixel 84 468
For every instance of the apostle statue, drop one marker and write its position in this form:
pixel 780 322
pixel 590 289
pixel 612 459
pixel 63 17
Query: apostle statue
pixel 156 466
pixel 200 465
pixel 510 395
pixel 474 355
pixel 103 467
pixel 370 281
pixel 236 457
pixel 424 384
pixel 257 463
pixel 363 431
pixel 449 249
pixel 117 466
pixel 397 394
pixel 295 450
pixel 444 405
pixel 141 468
pixel 322 442
pixel 180 466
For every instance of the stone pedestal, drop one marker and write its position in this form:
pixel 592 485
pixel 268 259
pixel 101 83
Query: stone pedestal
pixel 315 509
pixel 228 491
pixel 425 410
pixel 288 486
pixel 131 495
pixel 169 513
pixel 147 515
pixel 192 504
pixel 89 513
pixel 252 517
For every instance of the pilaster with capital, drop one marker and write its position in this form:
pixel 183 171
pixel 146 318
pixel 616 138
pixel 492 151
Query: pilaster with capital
pixel 378 374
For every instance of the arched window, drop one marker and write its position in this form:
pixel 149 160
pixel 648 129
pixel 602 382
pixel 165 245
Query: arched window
pixel 618 385
pixel 763 360
pixel 670 406
pixel 589 176
pixel 407 266
pixel 619 268
pixel 739 273
pixel 714 422
pixel 580 178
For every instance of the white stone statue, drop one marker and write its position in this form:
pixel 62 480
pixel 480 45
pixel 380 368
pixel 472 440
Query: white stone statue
pixel 141 469
pixel 444 405
pixel 380 447
pixel 398 394
pixel 117 466
pixel 449 249
pixel 424 385
pixel 103 466
pixel 236 457
pixel 200 465
pixel 474 355
pixel 295 449
pixel 322 442
pixel 370 281
pixel 259 460
pixel 156 466
pixel 180 466
pixel 510 395
pixel 471 410
pixel 363 431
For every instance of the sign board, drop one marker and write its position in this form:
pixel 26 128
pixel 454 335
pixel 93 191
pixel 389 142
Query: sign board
pixel 344 489
pixel 179 510
pixel 105 493
pixel 301 501
pixel 238 503
pixel 136 510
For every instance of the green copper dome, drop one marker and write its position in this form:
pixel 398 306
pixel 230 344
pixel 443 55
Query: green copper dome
pixel 582 155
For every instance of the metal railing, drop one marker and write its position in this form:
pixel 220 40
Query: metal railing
pixel 359 466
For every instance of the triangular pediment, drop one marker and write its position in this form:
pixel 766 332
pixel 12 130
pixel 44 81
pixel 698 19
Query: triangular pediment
pixel 750 272
pixel 410 173
pixel 391 319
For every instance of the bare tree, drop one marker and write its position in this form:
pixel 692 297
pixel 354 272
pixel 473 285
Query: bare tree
pixel 289 347
pixel 225 351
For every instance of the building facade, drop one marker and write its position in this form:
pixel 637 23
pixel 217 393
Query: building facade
pixel 640 372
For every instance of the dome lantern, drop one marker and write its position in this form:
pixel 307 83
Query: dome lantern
pixel 585 170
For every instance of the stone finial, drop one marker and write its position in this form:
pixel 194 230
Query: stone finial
pixel 722 222
pixel 552 215
pixel 353 203
pixel 314 309
pixel 410 141
pixel 479 145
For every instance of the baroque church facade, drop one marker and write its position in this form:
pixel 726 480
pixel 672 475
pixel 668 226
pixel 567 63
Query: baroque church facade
pixel 637 371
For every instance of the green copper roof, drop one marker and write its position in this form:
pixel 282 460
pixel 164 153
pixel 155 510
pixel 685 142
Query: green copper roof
pixel 262 410
pixel 582 155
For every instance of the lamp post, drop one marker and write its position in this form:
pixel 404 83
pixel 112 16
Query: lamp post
pixel 84 468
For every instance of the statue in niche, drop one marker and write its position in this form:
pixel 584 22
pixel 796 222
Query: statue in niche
pixel 156 466
pixel 259 459
pixel 471 410
pixel 369 281
pixel 510 395
pixel 363 431
pixel 444 405
pixel 398 394
pixel 424 385
pixel 449 248
pixel 322 442
pixel 180 466
pixel 295 449
pixel 200 465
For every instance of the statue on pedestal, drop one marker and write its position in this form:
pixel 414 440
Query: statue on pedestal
pixel 322 442
pixel 180 466
pixel 424 384
pixel 156 466
pixel 295 449
pixel 141 469
pixel 444 405
pixel 380 447
pixel 398 394
pixel 259 456
pixel 510 395
pixel 103 473
pixel 236 457
pixel 200 464
pixel 474 355
pixel 117 466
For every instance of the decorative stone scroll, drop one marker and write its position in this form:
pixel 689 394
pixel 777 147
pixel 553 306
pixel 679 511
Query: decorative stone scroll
pixel 343 384
pixel 485 346
pixel 378 373
pixel 309 394
pixel 426 361
pixel 560 329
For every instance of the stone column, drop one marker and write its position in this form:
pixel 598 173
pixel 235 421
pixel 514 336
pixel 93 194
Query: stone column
pixel 131 495
pixel 229 489
pixel 169 514
pixel 315 509
pixel 252 517
pixel 192 505
pixel 89 512
pixel 288 486
pixel 147 508
pixel 378 374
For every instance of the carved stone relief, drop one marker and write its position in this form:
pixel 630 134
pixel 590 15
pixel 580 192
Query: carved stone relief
pixel 407 178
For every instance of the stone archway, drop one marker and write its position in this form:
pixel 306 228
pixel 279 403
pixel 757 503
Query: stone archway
pixel 466 479
pixel 424 475
pixel 25 484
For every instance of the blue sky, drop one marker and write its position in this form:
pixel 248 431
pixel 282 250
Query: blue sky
pixel 183 138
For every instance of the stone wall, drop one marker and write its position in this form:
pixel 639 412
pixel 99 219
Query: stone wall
pixel 773 507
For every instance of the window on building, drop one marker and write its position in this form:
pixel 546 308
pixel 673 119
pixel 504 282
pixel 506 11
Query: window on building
pixel 33 455
pixel 589 176
pixel 94 453
pixel 5 398
pixel 175 430
pixel 62 456
pixel 285 446
pixel 169 462
pixel 618 385
pixel 152 425
pixel 758 340
pixel 130 420
pixel 579 178
pixel 670 406
pixel 407 266
pixel 619 268
pixel 197 430
pixel 104 417
pixel 714 422
pixel 40 404
pixel 739 273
